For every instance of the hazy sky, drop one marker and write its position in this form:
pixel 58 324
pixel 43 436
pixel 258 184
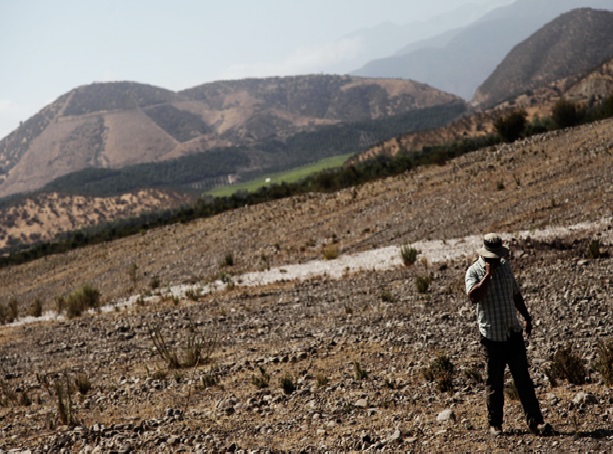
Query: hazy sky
pixel 48 47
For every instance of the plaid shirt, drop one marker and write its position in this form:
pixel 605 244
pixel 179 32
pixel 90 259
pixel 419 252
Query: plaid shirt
pixel 496 312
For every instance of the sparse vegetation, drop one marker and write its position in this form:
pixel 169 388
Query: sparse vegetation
pixel 133 273
pixel 440 371
pixel 262 380
pixel 13 310
pixel 422 283
pixel 511 127
pixel 593 250
pixel 287 384
pixel 80 300
pixel 358 372
pixel 330 252
pixel 197 350
pixel 154 282
pixel 210 379
pixel 566 365
pixel 604 361
pixel 321 380
pixel 60 386
pixel 408 255
pixel 566 114
pixel 82 383
pixel 36 309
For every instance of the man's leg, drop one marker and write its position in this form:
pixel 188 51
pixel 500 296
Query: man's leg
pixel 518 365
pixel 495 363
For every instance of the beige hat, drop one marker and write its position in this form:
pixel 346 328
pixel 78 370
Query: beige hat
pixel 492 247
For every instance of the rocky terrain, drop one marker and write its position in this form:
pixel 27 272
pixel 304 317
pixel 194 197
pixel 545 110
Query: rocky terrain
pixel 45 216
pixel 324 362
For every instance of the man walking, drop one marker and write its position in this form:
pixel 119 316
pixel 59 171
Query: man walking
pixel 491 285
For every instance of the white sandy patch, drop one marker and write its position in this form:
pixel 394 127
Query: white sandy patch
pixel 433 251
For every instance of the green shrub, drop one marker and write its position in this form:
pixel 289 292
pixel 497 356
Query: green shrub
pixel 263 380
pixel 593 250
pixel 408 255
pixel 511 127
pixel 568 366
pixel 422 283
pixel 566 114
pixel 36 310
pixel 210 379
pixel 197 350
pixel 330 252
pixel 287 384
pixel 13 310
pixel 133 273
pixel 321 380
pixel 359 373
pixel 154 283
pixel 440 371
pixel 387 296
pixel 82 299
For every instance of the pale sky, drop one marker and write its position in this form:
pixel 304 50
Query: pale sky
pixel 48 47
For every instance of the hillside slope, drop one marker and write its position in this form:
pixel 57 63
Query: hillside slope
pixel 589 87
pixel 326 364
pixel 569 45
pixel 460 60
pixel 111 125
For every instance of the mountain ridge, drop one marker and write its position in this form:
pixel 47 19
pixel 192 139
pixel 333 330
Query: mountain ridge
pixel 109 125
pixel 571 44
pixel 455 67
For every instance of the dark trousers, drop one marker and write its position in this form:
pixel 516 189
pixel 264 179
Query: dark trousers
pixel 513 353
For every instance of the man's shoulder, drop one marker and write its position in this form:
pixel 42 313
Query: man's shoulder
pixel 474 269
pixel 475 265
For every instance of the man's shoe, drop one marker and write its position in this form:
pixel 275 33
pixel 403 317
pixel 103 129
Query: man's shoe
pixel 540 429
pixel 496 431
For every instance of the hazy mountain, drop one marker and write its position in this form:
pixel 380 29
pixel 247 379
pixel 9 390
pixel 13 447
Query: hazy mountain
pixel 580 88
pixel 459 60
pixel 371 43
pixel 573 43
pixel 113 125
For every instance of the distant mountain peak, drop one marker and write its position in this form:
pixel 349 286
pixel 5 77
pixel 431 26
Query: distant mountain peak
pixel 570 45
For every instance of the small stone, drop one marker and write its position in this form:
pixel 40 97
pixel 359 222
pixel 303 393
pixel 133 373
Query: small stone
pixel 361 403
pixel 585 398
pixel 395 436
pixel 446 415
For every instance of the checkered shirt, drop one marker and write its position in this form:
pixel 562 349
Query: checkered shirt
pixel 496 312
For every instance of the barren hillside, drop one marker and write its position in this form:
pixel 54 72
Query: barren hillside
pixel 113 125
pixel 352 348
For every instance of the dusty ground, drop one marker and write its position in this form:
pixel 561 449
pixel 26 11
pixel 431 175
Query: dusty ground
pixel 354 346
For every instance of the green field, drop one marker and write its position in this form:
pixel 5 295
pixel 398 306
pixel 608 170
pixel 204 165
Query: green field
pixel 288 176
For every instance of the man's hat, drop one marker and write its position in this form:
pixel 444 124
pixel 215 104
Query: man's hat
pixel 492 247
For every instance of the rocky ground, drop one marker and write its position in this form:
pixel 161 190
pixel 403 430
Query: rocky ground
pixel 324 363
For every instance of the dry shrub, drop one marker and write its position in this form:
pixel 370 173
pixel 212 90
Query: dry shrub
pixel 567 366
pixel 604 361
pixel 440 371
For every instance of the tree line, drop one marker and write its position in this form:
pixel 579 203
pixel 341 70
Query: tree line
pixel 326 181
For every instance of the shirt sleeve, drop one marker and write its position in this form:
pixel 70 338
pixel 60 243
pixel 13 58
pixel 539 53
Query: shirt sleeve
pixel 471 279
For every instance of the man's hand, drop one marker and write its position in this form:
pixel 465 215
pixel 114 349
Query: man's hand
pixel 528 327
pixel 490 266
